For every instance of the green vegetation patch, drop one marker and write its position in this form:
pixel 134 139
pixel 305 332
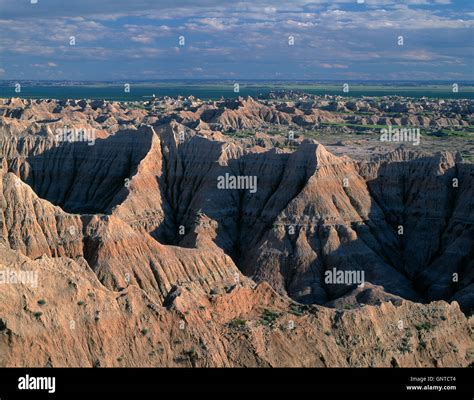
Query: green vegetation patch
pixel 425 326
pixel 405 346
pixel 237 324
pixel 297 309
pixel 269 317
pixel 241 134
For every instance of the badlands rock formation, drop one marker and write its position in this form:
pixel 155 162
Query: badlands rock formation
pixel 142 260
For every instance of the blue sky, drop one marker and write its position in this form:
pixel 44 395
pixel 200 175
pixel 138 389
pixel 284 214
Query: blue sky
pixel 139 39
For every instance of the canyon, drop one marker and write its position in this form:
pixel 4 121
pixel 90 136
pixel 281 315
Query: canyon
pixel 144 259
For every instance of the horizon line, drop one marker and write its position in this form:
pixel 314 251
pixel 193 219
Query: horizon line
pixel 240 80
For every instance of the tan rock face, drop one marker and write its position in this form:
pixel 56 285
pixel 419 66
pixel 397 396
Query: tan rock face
pixel 72 311
pixel 142 259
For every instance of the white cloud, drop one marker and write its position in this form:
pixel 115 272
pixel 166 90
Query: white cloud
pixel 222 36
pixel 46 65
pixel 337 66
pixel 142 39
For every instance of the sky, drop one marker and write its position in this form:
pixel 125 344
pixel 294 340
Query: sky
pixel 129 40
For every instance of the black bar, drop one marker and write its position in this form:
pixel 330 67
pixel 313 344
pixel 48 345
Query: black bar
pixel 70 381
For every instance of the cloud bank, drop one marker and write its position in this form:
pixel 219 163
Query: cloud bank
pixel 180 39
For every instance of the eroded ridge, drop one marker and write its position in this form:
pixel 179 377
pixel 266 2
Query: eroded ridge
pixel 147 222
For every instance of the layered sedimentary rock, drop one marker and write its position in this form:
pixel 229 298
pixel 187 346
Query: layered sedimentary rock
pixel 311 211
pixel 136 237
pixel 93 326
pixel 119 255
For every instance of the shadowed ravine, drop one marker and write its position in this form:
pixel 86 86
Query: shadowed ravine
pixel 353 227
pixel 134 244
